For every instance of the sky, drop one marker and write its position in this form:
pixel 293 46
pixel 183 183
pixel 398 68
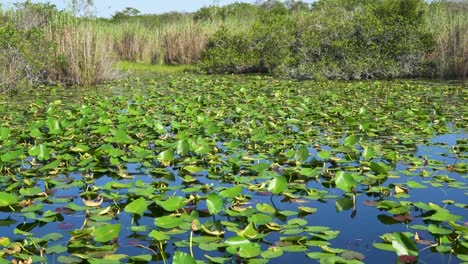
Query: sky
pixel 106 8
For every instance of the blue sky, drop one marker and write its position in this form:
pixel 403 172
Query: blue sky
pixel 108 7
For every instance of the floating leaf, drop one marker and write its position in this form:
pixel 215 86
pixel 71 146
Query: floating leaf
pixel 166 157
pixel 351 140
pixel 350 255
pixel 231 192
pixel 444 216
pixel 173 203
pixel 4 241
pixel 183 147
pixel 302 154
pixel 7 199
pixel 159 236
pixel 137 206
pixel 272 252
pixel 368 152
pixel 214 203
pixel 278 184
pixel 168 221
pixel 106 232
pixel 324 154
pixel 183 258
pixel 403 245
pixel 249 250
pixel 345 181
pixel 40 151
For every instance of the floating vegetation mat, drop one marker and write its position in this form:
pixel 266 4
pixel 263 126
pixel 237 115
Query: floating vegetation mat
pixel 237 170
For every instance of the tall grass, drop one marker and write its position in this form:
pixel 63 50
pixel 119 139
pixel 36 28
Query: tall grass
pixel 184 45
pixel 83 55
pixel 44 46
pixel 448 22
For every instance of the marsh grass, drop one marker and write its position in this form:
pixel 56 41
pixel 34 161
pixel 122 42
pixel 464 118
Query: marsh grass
pixel 448 22
pixel 83 55
pixel 184 45
pixel 139 69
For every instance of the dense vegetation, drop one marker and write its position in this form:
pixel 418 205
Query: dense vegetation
pixel 330 39
pixel 223 169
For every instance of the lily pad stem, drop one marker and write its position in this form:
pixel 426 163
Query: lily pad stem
pixel 191 243
pixel 162 252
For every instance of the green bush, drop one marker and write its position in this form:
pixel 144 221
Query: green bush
pixel 23 59
pixel 336 39
pixel 266 45
pixel 349 39
pixel 229 52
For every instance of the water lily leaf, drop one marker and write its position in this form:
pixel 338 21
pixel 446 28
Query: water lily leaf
pixel 403 245
pixel 324 154
pixel 384 246
pixel 308 210
pixel 12 155
pixel 415 185
pixel 350 255
pixel 137 206
pixel 249 250
pixel 144 257
pixel 159 236
pixel 248 232
pixel 236 241
pixel 260 167
pixel 351 140
pixel 106 232
pixel 173 203
pixel 444 216
pixel 4 241
pixel 214 203
pixel 40 151
pixel 218 260
pixel 30 191
pixel 278 184
pixel 166 157
pixel 379 168
pixel 302 153
pixel 345 181
pixel 368 152
pixel 399 190
pixel 320 255
pixel 182 258
pixel 56 249
pixel 4 133
pixel 68 260
pixel 193 169
pixel 183 147
pixel 231 192
pixel 103 261
pixel 462 257
pixel 265 208
pixel 80 148
pixel 272 252
pixel 260 219
pixel 168 221
pixel 433 229
pixel 7 199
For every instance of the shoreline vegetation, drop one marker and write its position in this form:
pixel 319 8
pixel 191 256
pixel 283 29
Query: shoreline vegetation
pixel 329 39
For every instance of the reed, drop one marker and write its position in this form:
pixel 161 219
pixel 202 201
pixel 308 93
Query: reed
pixel 83 55
pixel 184 45
pixel 448 22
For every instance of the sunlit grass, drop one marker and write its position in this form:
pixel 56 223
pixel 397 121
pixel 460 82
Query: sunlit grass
pixel 142 69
